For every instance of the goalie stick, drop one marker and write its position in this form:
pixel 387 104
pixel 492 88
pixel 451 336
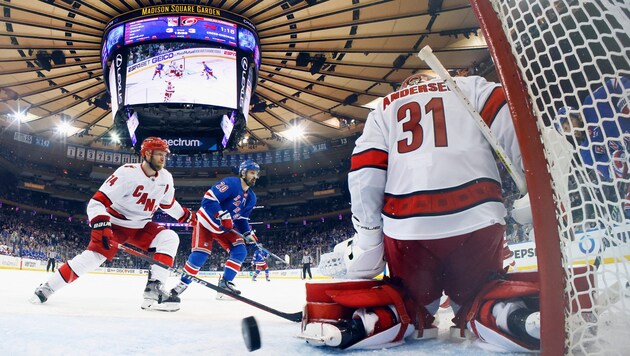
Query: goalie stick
pixel 261 247
pixel 295 317
pixel 426 54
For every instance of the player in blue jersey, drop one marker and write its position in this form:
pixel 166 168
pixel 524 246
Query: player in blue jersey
pixel 606 145
pixel 207 71
pixel 158 70
pixel 260 262
pixel 224 217
pixel 607 118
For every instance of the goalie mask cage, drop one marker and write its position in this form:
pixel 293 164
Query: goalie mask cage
pixel 551 54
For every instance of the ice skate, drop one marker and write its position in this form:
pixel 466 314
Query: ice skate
pixel 229 286
pixel 41 294
pixel 254 278
pixel 155 298
pixel 178 289
pixel 268 280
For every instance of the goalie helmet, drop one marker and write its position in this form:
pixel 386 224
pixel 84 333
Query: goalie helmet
pixel 153 143
pixel 414 79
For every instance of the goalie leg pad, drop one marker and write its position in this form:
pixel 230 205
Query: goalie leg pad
pixel 490 312
pixel 368 314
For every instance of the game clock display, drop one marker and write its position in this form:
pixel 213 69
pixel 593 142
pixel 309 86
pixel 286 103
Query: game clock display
pixel 171 27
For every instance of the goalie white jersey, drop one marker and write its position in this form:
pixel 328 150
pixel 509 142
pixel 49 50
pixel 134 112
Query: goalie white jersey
pixel 423 169
pixel 130 197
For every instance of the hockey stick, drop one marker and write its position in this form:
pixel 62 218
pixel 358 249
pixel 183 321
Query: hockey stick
pixel 258 245
pixel 295 317
pixel 426 54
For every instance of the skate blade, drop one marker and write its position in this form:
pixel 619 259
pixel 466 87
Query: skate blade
pixel 428 333
pixel 312 340
pixel 34 299
pixel 454 333
pixel 152 305
pixel 221 296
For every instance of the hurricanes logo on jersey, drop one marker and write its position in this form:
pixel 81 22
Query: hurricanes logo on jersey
pixel 149 204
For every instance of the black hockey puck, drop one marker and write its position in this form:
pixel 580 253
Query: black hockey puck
pixel 251 335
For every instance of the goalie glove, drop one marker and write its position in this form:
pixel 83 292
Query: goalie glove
pixel 349 261
pixel 367 237
pixel 522 211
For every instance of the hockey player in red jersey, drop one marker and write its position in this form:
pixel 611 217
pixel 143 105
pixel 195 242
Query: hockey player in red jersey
pixel 168 93
pixel 121 211
pixel 426 198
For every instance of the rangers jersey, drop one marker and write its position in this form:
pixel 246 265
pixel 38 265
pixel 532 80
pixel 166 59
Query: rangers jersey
pixel 260 256
pixel 228 195
pixel 130 197
pixel 422 169
pixel 607 116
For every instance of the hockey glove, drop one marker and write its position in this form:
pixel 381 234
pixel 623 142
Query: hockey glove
pixel 102 231
pixel 522 211
pixel 224 217
pixel 250 237
pixel 349 261
pixel 367 237
pixel 189 217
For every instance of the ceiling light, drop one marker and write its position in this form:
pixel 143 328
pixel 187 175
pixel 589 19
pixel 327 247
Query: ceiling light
pixel 20 117
pixel 294 133
pixel 66 129
pixel 114 136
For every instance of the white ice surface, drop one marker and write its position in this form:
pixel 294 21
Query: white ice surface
pixel 100 315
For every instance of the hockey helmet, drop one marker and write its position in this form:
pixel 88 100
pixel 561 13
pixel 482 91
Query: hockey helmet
pixel 248 165
pixel 564 113
pixel 153 143
pixel 414 79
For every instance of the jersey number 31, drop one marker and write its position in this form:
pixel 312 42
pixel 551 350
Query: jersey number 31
pixel 413 112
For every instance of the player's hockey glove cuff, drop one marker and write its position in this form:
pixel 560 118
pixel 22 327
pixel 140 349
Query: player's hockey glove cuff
pixel 189 217
pixel 101 231
pixel 250 237
pixel 224 217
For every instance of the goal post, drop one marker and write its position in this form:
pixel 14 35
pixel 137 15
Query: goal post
pixel 553 54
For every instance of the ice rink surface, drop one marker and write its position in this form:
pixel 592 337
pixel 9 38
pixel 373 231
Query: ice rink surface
pixel 192 87
pixel 100 314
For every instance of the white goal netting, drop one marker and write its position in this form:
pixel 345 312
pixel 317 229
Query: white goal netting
pixel 573 56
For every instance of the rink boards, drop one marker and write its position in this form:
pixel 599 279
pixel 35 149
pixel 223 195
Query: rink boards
pixel 583 250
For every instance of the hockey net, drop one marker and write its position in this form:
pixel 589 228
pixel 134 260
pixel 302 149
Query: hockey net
pixel 557 53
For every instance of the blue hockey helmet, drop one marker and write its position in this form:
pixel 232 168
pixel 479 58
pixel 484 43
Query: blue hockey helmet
pixel 248 165
pixel 564 113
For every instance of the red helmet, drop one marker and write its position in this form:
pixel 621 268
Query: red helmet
pixel 153 143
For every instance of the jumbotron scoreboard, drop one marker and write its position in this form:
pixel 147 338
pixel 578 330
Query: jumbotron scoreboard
pixel 181 72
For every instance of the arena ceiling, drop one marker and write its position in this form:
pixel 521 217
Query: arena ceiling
pixel 360 50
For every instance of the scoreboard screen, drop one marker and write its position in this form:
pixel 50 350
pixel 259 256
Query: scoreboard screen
pixel 182 70
pixel 174 27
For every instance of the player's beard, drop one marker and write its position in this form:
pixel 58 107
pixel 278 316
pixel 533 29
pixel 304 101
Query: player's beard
pixel 251 182
pixel 156 164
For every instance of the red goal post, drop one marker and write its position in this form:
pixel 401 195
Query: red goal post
pixel 520 35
